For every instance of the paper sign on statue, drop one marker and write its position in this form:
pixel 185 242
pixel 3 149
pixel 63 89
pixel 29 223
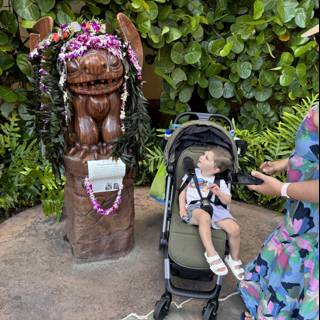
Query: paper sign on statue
pixel 106 175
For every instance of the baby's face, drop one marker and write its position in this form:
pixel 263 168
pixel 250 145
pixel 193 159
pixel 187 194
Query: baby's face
pixel 206 162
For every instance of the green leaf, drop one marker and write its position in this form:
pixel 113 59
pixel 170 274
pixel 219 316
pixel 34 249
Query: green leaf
pixel 234 77
pixel 153 10
pixel 301 18
pixel 27 9
pixel 46 5
pixel 267 78
pixel 216 88
pixel 185 94
pixel 215 46
pixel 27 24
pixel 174 34
pixel 301 71
pixel 262 93
pixel 287 76
pixel 3 38
pixel 103 1
pixel 154 34
pixel 247 89
pixel 6 109
pixel 24 64
pixel 6 61
pixel 180 3
pixel 7 94
pixel 203 82
pixel 193 76
pixel 198 34
pixel 164 12
pixel 164 62
pixel 177 53
pixel 143 22
pixel 237 45
pixel 228 90
pixel 178 75
pixel 193 53
pixel 286 9
pixel 299 52
pixel 244 69
pixel 8 21
pixel 258 9
pixel 286 59
pixel 213 69
pixel 226 50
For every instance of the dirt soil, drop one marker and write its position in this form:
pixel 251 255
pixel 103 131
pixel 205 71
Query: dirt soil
pixel 40 279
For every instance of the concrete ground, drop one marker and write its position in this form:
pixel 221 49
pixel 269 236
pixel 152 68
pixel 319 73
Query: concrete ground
pixel 39 278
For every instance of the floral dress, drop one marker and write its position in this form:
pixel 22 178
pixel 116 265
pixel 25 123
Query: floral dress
pixel 282 282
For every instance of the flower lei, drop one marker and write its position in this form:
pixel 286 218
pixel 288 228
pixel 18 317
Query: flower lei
pixel 93 37
pixel 96 205
pixel 54 108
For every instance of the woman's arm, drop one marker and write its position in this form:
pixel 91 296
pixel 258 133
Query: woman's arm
pixel 305 191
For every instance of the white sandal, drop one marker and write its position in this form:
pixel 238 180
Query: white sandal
pixel 238 272
pixel 216 266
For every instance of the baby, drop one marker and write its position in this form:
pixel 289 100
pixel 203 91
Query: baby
pixel 213 161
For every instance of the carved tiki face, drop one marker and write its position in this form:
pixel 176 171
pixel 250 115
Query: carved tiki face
pixel 97 72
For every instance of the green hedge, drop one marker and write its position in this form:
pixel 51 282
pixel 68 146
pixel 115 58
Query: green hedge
pixel 225 53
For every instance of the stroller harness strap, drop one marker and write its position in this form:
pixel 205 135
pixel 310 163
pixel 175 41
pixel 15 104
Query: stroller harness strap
pixel 216 200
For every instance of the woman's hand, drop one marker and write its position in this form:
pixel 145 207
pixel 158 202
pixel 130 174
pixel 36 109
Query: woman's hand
pixel 270 187
pixel 271 167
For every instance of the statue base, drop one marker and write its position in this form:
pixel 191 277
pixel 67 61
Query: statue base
pixel 94 237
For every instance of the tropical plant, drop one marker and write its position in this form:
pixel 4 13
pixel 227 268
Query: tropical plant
pixel 25 178
pixel 273 143
pixel 153 156
pixel 225 53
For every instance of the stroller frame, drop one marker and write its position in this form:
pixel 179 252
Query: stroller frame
pixel 163 305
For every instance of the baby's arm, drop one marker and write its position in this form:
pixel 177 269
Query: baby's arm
pixel 224 198
pixel 182 203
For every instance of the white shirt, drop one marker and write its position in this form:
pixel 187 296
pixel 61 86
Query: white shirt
pixel 204 184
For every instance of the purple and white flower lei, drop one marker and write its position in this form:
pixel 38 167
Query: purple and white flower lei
pixel 96 205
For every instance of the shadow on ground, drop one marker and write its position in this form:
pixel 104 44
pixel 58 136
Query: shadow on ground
pixel 39 278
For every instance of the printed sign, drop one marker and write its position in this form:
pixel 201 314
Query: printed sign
pixel 106 175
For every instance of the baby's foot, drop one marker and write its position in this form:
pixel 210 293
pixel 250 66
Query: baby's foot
pixel 216 264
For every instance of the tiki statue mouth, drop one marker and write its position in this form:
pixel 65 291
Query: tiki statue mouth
pixel 96 86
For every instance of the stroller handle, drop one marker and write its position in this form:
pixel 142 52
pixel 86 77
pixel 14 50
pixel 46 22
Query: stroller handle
pixel 205 116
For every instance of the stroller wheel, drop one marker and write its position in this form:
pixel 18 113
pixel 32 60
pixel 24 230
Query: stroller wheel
pixel 162 307
pixel 210 311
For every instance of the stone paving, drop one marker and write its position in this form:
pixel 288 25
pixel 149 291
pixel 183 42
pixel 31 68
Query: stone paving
pixel 40 280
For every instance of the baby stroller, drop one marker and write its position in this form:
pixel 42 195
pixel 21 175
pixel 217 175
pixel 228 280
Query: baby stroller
pixel 181 244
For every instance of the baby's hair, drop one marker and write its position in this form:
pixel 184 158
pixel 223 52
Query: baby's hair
pixel 222 158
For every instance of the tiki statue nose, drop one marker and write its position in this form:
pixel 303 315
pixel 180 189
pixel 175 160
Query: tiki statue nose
pixel 94 63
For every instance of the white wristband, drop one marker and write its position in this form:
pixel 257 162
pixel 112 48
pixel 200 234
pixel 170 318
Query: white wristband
pixel 284 190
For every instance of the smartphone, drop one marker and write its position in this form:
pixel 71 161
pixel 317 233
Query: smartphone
pixel 244 179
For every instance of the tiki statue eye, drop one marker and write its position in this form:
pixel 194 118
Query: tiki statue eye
pixel 72 66
pixel 113 61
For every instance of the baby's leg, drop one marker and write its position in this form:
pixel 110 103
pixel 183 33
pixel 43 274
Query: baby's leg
pixel 202 219
pixel 232 228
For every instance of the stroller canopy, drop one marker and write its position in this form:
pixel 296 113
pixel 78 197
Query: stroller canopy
pixel 199 133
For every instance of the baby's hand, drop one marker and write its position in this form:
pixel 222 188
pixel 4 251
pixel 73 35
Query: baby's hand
pixel 215 189
pixel 183 213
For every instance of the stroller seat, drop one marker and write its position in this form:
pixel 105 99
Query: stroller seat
pixel 185 246
pixel 181 243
